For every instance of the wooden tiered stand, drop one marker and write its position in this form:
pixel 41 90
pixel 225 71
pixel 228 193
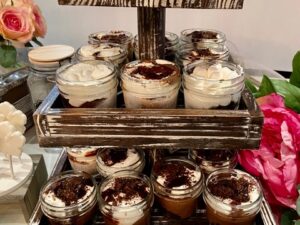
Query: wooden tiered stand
pixel 148 128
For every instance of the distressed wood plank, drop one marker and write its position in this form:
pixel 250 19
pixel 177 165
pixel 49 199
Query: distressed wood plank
pixel 202 4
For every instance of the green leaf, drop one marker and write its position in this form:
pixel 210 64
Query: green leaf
pixel 35 40
pixel 250 86
pixel 8 56
pixel 297 222
pixel 295 77
pixel 266 87
pixel 290 92
pixel 288 217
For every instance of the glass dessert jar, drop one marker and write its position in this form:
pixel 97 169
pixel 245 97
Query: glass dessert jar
pixel 110 161
pixel 150 84
pixel 232 197
pixel 171 45
pixel 213 85
pixel 177 185
pixel 69 198
pixel 111 52
pixel 88 84
pixel 196 35
pixel 83 159
pixel 126 198
pixel 118 36
pixel 189 53
pixel 211 160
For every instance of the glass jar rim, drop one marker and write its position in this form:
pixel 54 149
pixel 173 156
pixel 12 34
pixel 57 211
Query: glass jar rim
pixel 234 156
pixel 62 176
pixel 125 40
pixel 233 171
pixel 95 62
pixel 127 174
pixel 184 35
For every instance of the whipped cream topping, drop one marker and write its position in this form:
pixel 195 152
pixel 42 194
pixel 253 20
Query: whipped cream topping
pixel 100 51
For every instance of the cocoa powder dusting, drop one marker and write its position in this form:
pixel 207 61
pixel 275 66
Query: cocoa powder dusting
pixel 125 189
pixel 117 38
pixel 113 156
pixel 235 189
pixel 156 72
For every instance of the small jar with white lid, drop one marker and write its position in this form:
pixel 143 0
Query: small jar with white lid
pixel 213 85
pixel 150 84
pixel 88 84
pixel 199 35
pixel 111 52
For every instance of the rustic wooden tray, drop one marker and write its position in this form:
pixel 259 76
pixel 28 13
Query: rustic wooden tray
pixel 144 128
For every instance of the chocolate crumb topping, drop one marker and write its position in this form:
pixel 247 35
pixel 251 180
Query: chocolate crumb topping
pixel 70 189
pixel 114 38
pixel 175 173
pixel 113 156
pixel 155 72
pixel 216 155
pixel 200 35
pixel 235 189
pixel 125 189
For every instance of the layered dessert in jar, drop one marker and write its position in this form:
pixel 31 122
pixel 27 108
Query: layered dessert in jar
pixel 198 35
pixel 177 185
pixel 232 197
pixel 121 37
pixel 83 159
pixel 188 53
pixel 126 198
pixel 88 84
pixel 171 45
pixel 210 160
pixel 110 161
pixel 150 84
pixel 213 85
pixel 111 52
pixel 69 199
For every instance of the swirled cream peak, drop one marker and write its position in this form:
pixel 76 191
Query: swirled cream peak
pixel 215 72
pixel 86 72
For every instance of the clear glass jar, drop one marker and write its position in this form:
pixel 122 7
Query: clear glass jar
pixel 123 210
pixel 88 84
pixel 171 45
pixel 40 81
pixel 238 208
pixel 124 38
pixel 83 159
pixel 196 35
pixel 110 161
pixel 175 195
pixel 189 53
pixel 150 84
pixel 110 52
pixel 213 85
pixel 59 203
pixel 210 160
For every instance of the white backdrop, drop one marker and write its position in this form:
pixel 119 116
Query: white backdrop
pixel 267 31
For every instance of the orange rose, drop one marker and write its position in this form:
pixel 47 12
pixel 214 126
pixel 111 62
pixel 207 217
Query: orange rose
pixel 16 23
pixel 39 22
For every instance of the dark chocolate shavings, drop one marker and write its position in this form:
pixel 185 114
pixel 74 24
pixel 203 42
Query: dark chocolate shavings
pixel 113 156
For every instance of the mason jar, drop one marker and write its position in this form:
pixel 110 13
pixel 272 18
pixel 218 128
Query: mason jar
pixel 130 205
pixel 150 84
pixel 110 52
pixel 171 45
pixel 69 198
pixel 232 197
pixel 121 37
pixel 198 35
pixel 110 161
pixel 83 158
pixel 88 84
pixel 213 85
pixel 189 53
pixel 177 185
pixel 210 160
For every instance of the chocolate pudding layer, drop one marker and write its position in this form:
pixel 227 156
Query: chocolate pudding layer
pixel 177 185
pixel 112 160
pixel 150 84
pixel 210 160
pixel 69 198
pixel 232 197
pixel 126 198
pixel 202 35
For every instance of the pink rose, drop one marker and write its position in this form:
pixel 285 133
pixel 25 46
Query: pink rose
pixel 16 23
pixel 277 161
